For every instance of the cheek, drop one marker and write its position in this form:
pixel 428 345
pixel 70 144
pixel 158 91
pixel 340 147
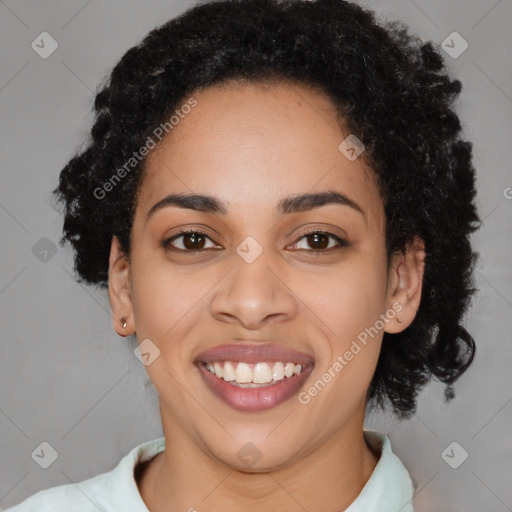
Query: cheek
pixel 348 299
pixel 351 308
pixel 165 307
pixel 163 299
pixel 350 305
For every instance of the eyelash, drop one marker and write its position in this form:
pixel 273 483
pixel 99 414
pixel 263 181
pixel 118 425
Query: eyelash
pixel 341 242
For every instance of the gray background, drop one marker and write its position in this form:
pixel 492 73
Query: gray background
pixel 65 376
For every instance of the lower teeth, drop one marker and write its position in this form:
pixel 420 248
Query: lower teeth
pixel 252 384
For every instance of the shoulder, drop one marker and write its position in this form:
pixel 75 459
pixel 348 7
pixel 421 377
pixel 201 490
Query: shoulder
pixel 63 498
pixel 107 492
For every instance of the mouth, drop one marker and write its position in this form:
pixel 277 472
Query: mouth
pixel 254 377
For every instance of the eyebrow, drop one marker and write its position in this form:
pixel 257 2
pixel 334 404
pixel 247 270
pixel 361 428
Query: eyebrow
pixel 290 204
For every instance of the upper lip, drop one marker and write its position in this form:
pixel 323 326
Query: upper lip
pixel 253 353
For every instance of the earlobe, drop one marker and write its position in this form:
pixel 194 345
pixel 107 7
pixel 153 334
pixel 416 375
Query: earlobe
pixel 405 283
pixel 119 289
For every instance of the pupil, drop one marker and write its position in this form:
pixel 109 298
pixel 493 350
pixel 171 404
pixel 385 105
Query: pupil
pixel 316 236
pixel 192 240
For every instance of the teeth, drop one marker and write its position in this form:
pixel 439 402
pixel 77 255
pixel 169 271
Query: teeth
pixel 261 373
pixel 218 370
pixel 229 372
pixel 250 376
pixel 278 371
pixel 243 373
pixel 289 369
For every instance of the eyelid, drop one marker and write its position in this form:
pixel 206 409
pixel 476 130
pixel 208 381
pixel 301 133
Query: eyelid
pixel 202 229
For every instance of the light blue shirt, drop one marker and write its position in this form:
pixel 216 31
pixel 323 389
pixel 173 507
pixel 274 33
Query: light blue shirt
pixel 389 488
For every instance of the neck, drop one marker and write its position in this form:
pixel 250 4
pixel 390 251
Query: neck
pixel 184 477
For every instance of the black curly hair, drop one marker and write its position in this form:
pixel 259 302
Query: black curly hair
pixel 390 89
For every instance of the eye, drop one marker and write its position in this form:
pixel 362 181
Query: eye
pixel 320 241
pixel 189 240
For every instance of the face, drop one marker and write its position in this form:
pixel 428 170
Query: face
pixel 263 286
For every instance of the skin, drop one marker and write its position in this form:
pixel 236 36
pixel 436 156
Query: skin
pixel 249 146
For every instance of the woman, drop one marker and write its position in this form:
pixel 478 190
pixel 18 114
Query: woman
pixel 278 199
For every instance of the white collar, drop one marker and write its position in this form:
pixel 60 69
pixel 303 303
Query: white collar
pixel 389 488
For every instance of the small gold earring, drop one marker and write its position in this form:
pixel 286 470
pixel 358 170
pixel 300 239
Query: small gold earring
pixel 399 321
pixel 123 322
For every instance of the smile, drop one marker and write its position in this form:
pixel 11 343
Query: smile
pixel 254 377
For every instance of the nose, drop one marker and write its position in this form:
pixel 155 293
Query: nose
pixel 253 294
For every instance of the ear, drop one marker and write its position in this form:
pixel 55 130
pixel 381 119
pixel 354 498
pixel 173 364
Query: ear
pixel 405 282
pixel 119 289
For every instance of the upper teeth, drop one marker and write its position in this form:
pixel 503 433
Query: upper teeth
pixel 259 373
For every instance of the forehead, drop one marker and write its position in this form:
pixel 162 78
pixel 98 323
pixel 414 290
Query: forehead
pixel 255 143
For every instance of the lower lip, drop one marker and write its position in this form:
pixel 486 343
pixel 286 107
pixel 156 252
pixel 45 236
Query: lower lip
pixel 254 399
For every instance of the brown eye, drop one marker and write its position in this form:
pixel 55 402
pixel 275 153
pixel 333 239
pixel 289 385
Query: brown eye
pixel 319 241
pixel 189 241
pixel 194 241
